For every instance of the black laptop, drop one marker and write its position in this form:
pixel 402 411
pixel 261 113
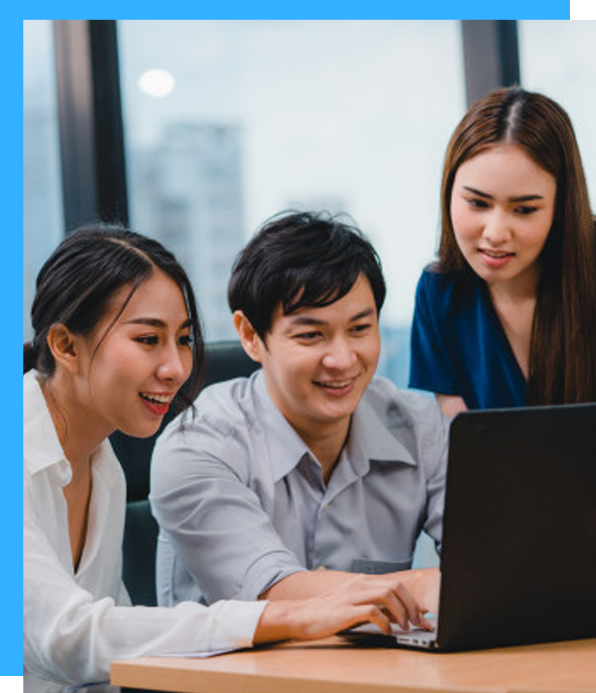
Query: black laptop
pixel 518 561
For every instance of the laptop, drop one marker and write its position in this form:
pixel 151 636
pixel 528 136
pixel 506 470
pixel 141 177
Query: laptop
pixel 518 559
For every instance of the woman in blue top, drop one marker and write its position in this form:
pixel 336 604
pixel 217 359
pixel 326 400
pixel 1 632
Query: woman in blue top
pixel 507 314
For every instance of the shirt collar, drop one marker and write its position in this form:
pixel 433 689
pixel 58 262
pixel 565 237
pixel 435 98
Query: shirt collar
pixel 41 445
pixel 373 438
pixel 285 447
pixel 370 438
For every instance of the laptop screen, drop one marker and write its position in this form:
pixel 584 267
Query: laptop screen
pixel 519 544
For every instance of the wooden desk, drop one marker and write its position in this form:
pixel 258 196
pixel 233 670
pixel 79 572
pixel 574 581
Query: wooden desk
pixel 333 666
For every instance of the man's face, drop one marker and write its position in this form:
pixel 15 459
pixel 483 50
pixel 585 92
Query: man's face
pixel 318 361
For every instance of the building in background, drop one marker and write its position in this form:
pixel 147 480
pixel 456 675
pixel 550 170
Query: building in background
pixel 43 226
pixel 394 362
pixel 358 123
pixel 188 195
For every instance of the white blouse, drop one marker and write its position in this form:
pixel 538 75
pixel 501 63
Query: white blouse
pixel 74 624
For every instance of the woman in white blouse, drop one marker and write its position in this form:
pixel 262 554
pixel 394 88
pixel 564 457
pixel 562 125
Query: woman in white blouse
pixel 116 333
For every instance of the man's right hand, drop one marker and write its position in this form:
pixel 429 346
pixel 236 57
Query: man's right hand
pixel 377 599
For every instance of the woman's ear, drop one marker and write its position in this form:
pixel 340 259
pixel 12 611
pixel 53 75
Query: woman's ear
pixel 64 347
pixel 251 342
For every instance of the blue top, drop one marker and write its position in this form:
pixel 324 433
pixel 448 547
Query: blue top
pixel 459 346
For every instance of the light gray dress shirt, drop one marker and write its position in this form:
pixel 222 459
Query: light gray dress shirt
pixel 241 501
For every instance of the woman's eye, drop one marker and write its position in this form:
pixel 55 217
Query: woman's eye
pixel 524 210
pixel 185 340
pixel 147 339
pixel 477 204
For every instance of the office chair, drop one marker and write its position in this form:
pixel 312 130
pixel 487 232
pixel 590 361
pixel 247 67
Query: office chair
pixel 223 361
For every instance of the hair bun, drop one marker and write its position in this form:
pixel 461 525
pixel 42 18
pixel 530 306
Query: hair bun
pixel 30 355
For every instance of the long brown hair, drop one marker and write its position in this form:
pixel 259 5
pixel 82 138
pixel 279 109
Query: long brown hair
pixel 562 365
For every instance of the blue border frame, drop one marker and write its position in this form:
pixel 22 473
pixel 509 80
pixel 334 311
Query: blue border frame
pixel 312 9
pixel 11 48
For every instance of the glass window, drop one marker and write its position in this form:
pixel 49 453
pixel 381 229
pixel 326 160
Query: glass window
pixel 43 223
pixel 566 75
pixel 262 116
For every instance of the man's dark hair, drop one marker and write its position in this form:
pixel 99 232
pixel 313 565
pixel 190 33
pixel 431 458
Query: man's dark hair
pixel 301 259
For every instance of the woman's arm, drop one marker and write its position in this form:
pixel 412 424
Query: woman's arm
pixel 451 404
pixel 72 636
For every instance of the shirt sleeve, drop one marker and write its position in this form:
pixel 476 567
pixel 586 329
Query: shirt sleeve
pixel 430 368
pixel 202 498
pixel 71 637
pixel 434 460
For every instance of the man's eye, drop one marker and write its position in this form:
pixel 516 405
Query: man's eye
pixel 359 329
pixel 307 336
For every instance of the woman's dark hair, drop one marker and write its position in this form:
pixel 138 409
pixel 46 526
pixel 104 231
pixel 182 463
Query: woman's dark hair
pixel 563 344
pixel 76 283
pixel 301 259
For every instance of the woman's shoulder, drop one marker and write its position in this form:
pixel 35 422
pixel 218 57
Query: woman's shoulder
pixel 445 287
pixel 436 273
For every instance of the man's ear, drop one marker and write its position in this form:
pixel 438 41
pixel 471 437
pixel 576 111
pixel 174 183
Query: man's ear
pixel 64 346
pixel 251 342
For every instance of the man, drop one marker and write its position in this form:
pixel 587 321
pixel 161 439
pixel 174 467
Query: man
pixel 311 463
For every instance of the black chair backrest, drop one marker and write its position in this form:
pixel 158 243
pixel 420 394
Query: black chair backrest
pixel 223 361
pixel 139 547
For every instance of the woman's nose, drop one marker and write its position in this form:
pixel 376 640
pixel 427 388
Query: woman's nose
pixel 173 366
pixel 496 230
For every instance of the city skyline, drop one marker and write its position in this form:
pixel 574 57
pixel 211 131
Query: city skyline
pixel 316 128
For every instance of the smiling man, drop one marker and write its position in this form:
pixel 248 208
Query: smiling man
pixel 311 463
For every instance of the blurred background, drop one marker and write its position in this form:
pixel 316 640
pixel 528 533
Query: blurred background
pixel 195 132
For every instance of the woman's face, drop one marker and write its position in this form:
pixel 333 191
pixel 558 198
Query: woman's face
pixel 502 209
pixel 129 382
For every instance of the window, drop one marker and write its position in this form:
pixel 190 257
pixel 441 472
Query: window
pixel 347 116
pixel 43 225
pixel 566 75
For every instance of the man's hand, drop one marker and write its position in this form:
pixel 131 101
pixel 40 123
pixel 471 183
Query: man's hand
pixel 378 599
pixel 423 585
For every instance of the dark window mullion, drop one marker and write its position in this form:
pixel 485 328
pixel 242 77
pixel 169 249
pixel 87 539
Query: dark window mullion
pixel 90 122
pixel 491 56
pixel 109 131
